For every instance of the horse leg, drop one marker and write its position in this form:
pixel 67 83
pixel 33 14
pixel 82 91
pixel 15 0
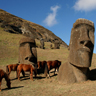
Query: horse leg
pixel 57 70
pixel 49 71
pixel 35 72
pixel 48 74
pixel 19 71
pixel 16 74
pixel 46 70
pixel 23 73
pixel 0 84
pixel 54 71
pixel 9 72
pixel 31 75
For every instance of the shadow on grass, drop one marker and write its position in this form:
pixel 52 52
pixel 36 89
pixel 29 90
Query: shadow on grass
pixel 35 78
pixel 20 77
pixel 12 88
pixel 39 72
pixel 26 78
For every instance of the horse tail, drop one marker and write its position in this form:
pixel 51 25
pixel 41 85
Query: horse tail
pixel 46 70
pixel 7 69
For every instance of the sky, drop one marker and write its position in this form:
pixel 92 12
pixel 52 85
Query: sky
pixel 57 16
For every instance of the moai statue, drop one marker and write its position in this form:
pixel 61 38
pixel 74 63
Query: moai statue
pixel 27 51
pixel 56 44
pixel 51 46
pixel 42 43
pixel 80 53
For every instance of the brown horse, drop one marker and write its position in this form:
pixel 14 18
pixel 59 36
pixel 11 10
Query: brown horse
pixel 41 64
pixel 53 64
pixel 42 67
pixel 4 75
pixel 11 67
pixel 26 67
pixel 48 65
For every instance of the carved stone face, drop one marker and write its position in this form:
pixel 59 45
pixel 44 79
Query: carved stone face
pixel 81 43
pixel 27 51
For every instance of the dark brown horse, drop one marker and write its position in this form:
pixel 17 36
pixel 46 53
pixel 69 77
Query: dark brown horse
pixel 42 67
pixel 41 64
pixel 11 67
pixel 26 67
pixel 4 75
pixel 53 64
pixel 48 65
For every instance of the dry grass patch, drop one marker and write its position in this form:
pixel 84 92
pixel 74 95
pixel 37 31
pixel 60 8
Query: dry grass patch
pixel 41 86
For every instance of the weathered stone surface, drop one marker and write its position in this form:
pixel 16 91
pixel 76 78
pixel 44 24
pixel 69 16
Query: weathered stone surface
pixel 80 55
pixel 27 51
pixel 51 46
pixel 81 43
pixel 42 43
pixel 14 24
pixel 56 45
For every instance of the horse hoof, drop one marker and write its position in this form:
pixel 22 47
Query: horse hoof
pixel 19 79
pixel 46 77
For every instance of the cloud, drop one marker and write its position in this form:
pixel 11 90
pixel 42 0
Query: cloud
pixel 85 5
pixel 50 20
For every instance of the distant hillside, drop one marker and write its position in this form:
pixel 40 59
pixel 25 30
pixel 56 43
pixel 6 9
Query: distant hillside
pixel 14 24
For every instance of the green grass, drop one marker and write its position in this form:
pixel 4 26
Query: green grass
pixel 41 86
pixel 9 45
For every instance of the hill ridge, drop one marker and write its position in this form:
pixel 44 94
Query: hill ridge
pixel 17 25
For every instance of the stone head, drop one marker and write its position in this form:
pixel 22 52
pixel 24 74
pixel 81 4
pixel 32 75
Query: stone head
pixel 27 51
pixel 42 43
pixel 81 43
pixel 56 44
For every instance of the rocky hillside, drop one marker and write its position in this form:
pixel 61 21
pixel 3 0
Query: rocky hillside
pixel 16 25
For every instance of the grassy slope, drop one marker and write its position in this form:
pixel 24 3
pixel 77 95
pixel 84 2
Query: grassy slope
pixel 9 47
pixel 40 86
pixel 9 44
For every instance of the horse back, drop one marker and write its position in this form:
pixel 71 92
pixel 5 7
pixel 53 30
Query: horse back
pixel 25 67
pixel 54 64
pixel 49 64
pixel 14 67
pixel 43 64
